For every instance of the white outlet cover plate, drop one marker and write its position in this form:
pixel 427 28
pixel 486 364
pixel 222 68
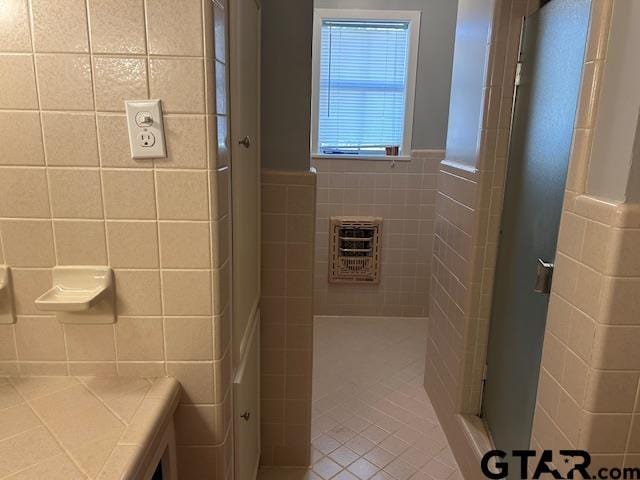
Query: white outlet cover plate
pixel 140 148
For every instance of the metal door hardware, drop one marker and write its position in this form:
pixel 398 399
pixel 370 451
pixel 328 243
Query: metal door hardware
pixel 245 142
pixel 246 415
pixel 544 276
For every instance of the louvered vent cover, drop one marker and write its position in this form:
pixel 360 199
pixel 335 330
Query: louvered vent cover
pixel 354 252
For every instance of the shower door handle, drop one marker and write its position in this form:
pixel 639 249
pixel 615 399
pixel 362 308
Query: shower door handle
pixel 245 142
pixel 544 276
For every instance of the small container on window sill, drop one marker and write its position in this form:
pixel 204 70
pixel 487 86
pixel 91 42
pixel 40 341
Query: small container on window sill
pixel 393 151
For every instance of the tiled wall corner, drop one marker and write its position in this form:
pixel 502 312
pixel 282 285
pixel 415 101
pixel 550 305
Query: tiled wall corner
pixel 288 213
pixel 468 210
pixel 589 378
pixel 71 194
pixel 403 194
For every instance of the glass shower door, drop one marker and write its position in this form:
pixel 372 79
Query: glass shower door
pixel 552 55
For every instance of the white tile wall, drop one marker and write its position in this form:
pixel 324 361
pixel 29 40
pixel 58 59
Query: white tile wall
pixel 403 194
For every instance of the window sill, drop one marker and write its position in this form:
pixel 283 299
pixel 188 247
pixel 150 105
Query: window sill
pixel 375 158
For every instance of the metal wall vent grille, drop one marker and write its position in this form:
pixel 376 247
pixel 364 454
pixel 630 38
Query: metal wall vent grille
pixel 354 253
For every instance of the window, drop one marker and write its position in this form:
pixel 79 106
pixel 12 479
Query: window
pixel 363 82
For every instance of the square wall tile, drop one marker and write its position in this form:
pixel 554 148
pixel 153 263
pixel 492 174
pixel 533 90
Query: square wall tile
pixel 93 369
pixel 118 79
pixel 196 380
pixel 175 28
pixel 129 194
pixel 187 292
pixel 300 199
pixel 613 348
pixel 620 300
pixel 18 84
pixel 117 26
pixel 60 26
pixel 300 228
pixel 139 339
pixel 611 392
pixel 141 369
pixel 40 338
pixel 179 82
pixel 90 342
pixel 184 245
pixel 274 198
pixel 189 338
pixel 182 195
pixel 70 139
pixel 197 425
pixel 29 284
pixel 24 193
pixel 627 261
pixel 64 82
pixel 14 27
pixel 20 139
pixel 7 344
pixel 114 143
pixel 133 244
pixel 604 433
pixel 75 193
pixel 196 462
pixel 28 243
pixel 186 137
pixel 138 292
pixel 80 242
pixel 274 228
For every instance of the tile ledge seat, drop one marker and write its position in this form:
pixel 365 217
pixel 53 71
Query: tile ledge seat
pixel 125 421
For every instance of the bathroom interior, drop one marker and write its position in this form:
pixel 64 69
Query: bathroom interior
pixel 318 240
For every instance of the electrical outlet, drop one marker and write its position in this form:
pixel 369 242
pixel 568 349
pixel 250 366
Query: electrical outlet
pixel 146 139
pixel 146 129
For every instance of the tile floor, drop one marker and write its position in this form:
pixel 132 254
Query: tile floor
pixel 372 419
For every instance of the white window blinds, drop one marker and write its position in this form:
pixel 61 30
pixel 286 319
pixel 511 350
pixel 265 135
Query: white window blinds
pixel 363 86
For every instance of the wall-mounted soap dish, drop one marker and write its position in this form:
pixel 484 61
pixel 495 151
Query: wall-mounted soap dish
pixel 80 294
pixel 7 313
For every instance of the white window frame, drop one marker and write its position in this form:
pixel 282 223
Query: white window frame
pixel 413 19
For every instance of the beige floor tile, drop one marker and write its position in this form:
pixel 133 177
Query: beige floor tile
pixel 325 444
pixel 345 475
pixel 369 400
pixel 344 456
pixel 382 475
pixel 326 468
pixel 438 470
pixel 380 457
pixel 400 469
pixel 363 469
pixel 375 434
pixel 360 444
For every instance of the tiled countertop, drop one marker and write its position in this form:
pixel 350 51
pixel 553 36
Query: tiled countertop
pixel 68 428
